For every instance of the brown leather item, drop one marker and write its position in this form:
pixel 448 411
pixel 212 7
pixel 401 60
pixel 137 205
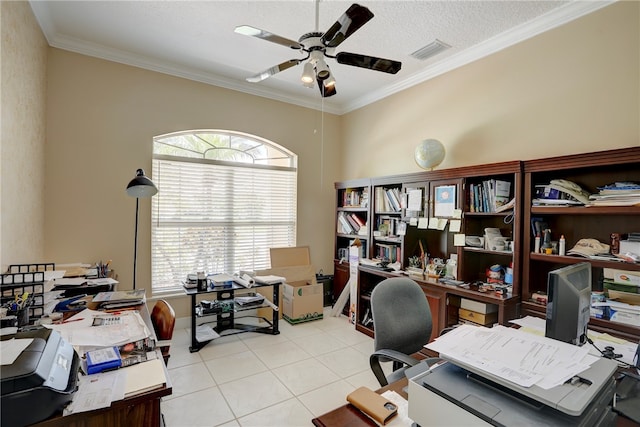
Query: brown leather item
pixel 372 404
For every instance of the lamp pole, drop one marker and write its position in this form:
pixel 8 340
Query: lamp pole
pixel 140 186
pixel 135 246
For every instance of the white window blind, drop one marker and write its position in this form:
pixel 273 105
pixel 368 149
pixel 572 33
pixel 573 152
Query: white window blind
pixel 217 216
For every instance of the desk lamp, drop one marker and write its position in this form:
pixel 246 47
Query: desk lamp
pixel 140 186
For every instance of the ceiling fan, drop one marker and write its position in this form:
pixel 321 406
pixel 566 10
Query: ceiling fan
pixel 317 45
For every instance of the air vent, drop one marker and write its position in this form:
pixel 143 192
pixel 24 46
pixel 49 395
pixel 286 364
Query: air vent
pixel 430 50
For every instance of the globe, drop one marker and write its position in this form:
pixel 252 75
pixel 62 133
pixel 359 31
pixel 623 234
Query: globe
pixel 429 153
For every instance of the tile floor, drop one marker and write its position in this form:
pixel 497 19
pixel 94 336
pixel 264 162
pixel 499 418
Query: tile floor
pixel 280 380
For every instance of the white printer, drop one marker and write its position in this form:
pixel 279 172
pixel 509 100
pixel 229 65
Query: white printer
pixel 450 395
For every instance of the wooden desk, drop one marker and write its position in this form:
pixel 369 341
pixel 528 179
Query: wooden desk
pixel 140 410
pixel 348 416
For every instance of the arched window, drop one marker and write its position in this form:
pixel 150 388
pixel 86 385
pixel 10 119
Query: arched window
pixel 224 199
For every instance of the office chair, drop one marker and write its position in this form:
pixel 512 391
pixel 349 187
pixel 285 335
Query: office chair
pixel 163 318
pixel 402 325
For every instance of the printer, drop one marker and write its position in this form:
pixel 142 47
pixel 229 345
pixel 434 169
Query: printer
pixel 474 398
pixel 42 379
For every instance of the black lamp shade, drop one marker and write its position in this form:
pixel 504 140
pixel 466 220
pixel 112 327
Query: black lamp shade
pixel 141 186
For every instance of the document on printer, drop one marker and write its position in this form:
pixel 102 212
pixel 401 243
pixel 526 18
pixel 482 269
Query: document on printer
pixel 11 349
pixel 521 358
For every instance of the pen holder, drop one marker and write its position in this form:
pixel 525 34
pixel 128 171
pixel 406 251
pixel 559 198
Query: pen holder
pixel 21 314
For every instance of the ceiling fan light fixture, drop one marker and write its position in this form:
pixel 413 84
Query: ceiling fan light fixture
pixel 307 75
pixel 330 81
pixel 322 70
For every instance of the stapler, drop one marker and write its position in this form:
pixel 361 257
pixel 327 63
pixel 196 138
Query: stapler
pixel 71 304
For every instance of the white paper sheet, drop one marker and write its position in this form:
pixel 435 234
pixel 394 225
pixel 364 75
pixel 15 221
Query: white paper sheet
pixel 524 359
pixel 11 349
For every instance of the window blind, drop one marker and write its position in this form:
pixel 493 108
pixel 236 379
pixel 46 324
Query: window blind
pixel 218 217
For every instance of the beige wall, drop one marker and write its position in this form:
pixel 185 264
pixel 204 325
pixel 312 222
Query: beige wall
pixel 102 117
pixel 22 136
pixel 573 89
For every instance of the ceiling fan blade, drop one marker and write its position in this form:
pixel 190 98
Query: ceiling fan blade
pixel 326 91
pixel 370 62
pixel 248 30
pixel 355 17
pixel 273 70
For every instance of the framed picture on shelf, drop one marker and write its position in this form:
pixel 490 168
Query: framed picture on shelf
pixel 445 201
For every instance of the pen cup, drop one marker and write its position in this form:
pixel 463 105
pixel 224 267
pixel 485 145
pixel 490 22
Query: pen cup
pixel 22 316
pixel 202 281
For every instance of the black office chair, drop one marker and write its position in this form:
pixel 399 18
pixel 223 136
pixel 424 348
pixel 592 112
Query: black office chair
pixel 402 324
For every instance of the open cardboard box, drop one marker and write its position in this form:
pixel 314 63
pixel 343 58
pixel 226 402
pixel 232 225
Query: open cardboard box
pixel 301 297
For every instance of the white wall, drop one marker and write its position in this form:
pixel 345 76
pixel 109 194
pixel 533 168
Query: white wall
pixel 570 90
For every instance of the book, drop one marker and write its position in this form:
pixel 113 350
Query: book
pixel 103 359
pixel 119 299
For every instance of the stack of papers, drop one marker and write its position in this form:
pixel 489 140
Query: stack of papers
pixel 617 194
pixel 120 299
pixel 518 357
pixel 269 279
pixel 249 300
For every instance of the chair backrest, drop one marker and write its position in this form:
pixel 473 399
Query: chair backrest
pixel 163 318
pixel 401 315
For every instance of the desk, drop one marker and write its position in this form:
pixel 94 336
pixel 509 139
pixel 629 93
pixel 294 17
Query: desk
pixel 226 320
pixel 348 416
pixel 143 409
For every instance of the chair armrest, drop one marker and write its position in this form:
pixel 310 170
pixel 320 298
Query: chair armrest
pixel 392 355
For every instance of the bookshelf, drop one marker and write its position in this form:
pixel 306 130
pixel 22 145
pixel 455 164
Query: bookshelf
pixel 352 221
pixel 528 269
pixel 420 201
pixel 387 237
pixel 590 171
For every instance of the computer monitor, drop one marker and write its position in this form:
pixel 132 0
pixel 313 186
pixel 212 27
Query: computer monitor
pixel 568 303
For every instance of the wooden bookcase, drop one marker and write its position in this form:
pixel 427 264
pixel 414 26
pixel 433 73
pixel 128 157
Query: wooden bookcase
pixel 529 269
pixel 471 266
pixel 353 198
pixel 590 171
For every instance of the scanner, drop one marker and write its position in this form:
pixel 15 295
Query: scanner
pixel 41 381
pixel 463 396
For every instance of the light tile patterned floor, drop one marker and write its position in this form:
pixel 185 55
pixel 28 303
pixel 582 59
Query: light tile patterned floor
pixel 267 380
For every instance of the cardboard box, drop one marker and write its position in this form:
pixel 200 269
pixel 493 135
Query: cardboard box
pixel 479 318
pixel 290 257
pixel 477 306
pixel 304 300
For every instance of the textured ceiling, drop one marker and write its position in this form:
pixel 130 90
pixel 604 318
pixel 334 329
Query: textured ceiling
pixel 196 39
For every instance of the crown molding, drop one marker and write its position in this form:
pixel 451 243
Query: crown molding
pixel 551 20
